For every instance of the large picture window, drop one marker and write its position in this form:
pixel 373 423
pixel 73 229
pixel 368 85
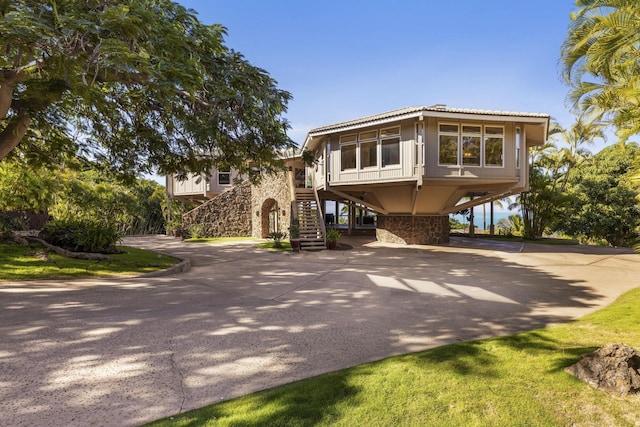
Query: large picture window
pixel 370 149
pixel 368 154
pixel 390 152
pixel 470 145
pixel 448 144
pixel 347 157
pixel 493 145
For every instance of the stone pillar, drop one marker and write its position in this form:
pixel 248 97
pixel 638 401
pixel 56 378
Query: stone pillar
pixel 413 230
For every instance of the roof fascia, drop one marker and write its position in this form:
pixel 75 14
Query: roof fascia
pixel 492 117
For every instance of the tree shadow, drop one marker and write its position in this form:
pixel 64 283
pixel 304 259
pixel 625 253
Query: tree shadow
pixel 243 320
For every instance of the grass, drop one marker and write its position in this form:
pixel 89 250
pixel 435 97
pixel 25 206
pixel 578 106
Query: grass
pixel 217 239
pixel 504 238
pixel 271 245
pixel 29 263
pixel 544 240
pixel 516 380
pixel 268 245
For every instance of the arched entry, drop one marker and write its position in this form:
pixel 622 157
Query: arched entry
pixel 270 217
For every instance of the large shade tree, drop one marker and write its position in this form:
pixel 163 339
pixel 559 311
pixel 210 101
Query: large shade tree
pixel 137 84
pixel 603 200
pixel 600 61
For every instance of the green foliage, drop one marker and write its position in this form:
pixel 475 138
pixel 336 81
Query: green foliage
pixel 196 231
pixel 600 59
pixel 549 172
pixel 135 85
pixel 454 224
pixel 83 190
pixel 333 235
pixel 294 231
pixel 277 237
pixel 172 211
pixel 603 198
pixel 511 226
pixel 23 188
pixel 81 235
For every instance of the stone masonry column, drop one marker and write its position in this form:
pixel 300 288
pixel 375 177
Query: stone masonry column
pixel 413 230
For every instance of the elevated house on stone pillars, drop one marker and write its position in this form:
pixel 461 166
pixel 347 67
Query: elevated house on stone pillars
pixel 399 173
pixel 414 166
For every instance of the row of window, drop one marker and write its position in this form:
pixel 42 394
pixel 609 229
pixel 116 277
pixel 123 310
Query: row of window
pixel 470 145
pixel 458 145
pixel 370 148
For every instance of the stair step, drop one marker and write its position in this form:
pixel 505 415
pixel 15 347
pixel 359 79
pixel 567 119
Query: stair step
pixel 309 220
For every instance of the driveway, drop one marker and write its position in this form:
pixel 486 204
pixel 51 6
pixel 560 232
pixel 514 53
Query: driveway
pixel 122 352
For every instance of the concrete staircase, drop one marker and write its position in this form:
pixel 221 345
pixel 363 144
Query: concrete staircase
pixel 309 219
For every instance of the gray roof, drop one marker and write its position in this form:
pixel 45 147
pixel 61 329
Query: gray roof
pixel 408 112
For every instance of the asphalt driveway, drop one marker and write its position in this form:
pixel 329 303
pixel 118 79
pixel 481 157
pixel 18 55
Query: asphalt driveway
pixel 123 352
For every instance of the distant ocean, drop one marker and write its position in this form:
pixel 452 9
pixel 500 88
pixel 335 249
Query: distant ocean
pixel 480 219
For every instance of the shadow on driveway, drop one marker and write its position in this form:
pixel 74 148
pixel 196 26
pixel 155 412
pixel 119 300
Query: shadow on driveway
pixel 122 352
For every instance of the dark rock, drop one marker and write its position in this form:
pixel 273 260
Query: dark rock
pixel 614 368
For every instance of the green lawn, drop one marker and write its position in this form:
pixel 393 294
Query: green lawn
pixel 271 245
pixel 30 263
pixel 516 380
pixel 218 239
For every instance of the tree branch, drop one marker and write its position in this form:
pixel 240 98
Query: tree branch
pixel 8 81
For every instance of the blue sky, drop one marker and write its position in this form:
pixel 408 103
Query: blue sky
pixel 346 59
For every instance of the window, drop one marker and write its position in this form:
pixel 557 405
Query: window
pixel 348 138
pixel 471 140
pixel 347 157
pixel 224 177
pixel 478 145
pixel 448 144
pixel 372 134
pixel 390 152
pixel 390 131
pixel 369 154
pixel 493 145
pixel 348 152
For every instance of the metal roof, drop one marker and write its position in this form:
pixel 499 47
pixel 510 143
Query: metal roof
pixel 415 111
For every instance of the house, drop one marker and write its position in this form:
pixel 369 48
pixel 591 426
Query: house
pixel 200 187
pixel 400 173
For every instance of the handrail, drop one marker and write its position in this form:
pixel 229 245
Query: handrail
pixel 292 194
pixel 319 209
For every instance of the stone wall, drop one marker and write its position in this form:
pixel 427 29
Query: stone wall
pixel 227 215
pixel 272 188
pixel 413 230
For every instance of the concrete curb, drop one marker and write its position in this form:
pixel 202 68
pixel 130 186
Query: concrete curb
pixel 183 266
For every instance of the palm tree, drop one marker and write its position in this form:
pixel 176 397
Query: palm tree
pixel 573 152
pixel 511 226
pixel 600 62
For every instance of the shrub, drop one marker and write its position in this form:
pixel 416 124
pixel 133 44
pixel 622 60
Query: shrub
pixel 196 231
pixel 333 235
pixel 85 235
pixel 277 237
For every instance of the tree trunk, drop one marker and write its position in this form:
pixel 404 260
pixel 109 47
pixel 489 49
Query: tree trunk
pixel 13 133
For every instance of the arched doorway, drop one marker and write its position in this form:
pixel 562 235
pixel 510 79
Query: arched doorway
pixel 270 217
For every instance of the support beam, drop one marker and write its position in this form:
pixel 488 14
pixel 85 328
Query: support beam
pixel 349 197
